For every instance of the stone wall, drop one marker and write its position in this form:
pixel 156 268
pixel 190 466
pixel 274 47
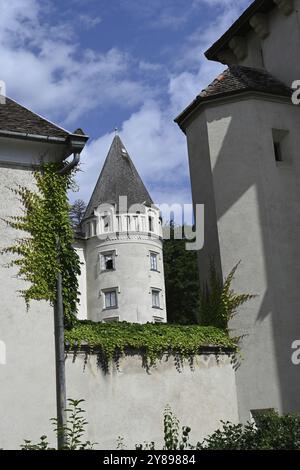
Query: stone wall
pixel 129 400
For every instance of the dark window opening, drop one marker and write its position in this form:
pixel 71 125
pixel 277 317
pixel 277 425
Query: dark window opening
pixel 150 223
pixel 277 152
pixel 109 263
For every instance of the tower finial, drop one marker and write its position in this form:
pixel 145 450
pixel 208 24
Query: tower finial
pixel 116 131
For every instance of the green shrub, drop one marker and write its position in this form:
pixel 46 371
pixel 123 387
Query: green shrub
pixel 269 432
pixel 218 301
pixel 74 430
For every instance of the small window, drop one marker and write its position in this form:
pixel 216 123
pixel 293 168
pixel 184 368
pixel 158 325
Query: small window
pixel 155 298
pixel 153 261
pixel 110 299
pixel 108 261
pixel 280 145
pixel 151 223
pixel 277 152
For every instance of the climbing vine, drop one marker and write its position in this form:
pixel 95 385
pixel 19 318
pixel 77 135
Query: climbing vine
pixel 46 248
pixel 113 340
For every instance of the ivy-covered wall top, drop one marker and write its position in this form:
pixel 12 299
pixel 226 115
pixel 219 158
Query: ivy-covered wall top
pixel 112 340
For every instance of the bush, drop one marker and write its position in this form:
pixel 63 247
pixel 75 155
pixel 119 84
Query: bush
pixel 74 430
pixel 218 301
pixel 269 432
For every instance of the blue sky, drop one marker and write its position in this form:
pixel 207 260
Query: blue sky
pixel 101 64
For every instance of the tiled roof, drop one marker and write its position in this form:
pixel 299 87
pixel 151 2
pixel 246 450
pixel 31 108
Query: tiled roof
pixel 235 80
pixel 16 118
pixel 118 177
pixel 239 78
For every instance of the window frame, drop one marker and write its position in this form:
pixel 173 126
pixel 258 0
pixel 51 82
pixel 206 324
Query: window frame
pixel 105 254
pixel 158 292
pixel 153 255
pixel 110 291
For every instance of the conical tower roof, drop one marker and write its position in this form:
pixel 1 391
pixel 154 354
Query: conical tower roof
pixel 118 177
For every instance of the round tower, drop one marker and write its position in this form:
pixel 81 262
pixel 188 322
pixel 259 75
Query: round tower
pixel 122 248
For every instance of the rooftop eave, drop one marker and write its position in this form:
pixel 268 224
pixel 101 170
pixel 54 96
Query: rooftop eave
pixel 199 102
pixel 74 142
pixel 240 27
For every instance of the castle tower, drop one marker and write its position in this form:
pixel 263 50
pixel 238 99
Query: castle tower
pixel 243 142
pixel 121 248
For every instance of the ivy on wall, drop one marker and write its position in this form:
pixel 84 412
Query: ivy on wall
pixel 45 220
pixel 151 340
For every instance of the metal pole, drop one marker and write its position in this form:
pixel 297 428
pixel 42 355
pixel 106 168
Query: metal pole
pixel 61 396
pixel 61 400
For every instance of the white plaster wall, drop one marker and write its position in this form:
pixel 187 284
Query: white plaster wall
pixel 129 402
pixel 82 307
pixel 132 276
pixel 281 47
pixel 257 206
pixel 27 376
pixel 27 392
pixel 23 153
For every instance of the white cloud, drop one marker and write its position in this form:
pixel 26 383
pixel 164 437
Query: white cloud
pixel 90 21
pixel 156 147
pixel 156 144
pixel 46 69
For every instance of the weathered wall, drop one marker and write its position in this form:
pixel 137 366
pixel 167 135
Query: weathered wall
pixel 257 214
pixel 129 402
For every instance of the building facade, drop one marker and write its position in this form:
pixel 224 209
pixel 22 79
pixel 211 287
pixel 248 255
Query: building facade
pixel 243 144
pixel 123 259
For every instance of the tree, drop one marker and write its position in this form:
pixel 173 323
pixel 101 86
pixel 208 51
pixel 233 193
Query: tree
pixel 181 280
pixel 77 211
